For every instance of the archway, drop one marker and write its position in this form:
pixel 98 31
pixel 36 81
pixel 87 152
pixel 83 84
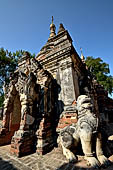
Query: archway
pixel 11 116
pixel 15 115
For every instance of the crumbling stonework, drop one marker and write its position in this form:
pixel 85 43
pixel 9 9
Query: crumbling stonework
pixel 41 97
pixel 60 58
pixel 26 108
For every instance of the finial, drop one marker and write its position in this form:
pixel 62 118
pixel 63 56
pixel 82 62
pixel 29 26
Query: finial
pixel 61 28
pixel 82 56
pixel 52 19
pixel 81 50
pixel 52 29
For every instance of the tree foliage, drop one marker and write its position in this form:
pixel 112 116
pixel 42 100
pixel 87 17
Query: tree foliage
pixel 8 64
pixel 100 70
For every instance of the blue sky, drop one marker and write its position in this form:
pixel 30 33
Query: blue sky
pixel 24 24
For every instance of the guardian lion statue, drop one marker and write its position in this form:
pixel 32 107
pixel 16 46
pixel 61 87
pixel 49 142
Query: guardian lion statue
pixel 86 131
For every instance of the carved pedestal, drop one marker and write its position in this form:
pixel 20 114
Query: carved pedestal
pixel 23 143
pixel 45 140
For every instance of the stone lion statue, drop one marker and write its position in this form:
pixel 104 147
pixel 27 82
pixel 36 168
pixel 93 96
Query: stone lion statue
pixel 86 131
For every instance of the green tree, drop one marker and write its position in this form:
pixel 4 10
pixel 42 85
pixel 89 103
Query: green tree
pixel 100 70
pixel 8 64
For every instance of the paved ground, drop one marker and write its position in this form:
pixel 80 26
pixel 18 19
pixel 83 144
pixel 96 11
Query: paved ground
pixel 51 161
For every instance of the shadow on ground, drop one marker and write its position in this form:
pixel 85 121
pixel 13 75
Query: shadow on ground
pixel 6 165
pixel 70 166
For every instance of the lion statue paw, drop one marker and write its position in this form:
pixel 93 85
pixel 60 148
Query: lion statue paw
pixel 104 161
pixel 93 162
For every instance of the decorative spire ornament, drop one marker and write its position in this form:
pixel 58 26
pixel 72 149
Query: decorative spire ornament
pixel 52 29
pixel 61 28
pixel 82 56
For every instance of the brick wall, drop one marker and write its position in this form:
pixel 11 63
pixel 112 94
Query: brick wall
pixel 66 119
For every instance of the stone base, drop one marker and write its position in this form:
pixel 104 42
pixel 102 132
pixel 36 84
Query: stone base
pixel 45 136
pixel 21 146
pixel 45 148
pixel 5 136
pixel 45 142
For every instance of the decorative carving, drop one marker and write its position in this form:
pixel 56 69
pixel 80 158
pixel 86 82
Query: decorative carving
pixel 28 93
pixel 85 130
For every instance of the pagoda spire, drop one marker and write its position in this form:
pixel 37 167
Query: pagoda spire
pixel 61 28
pixel 52 29
pixel 82 56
